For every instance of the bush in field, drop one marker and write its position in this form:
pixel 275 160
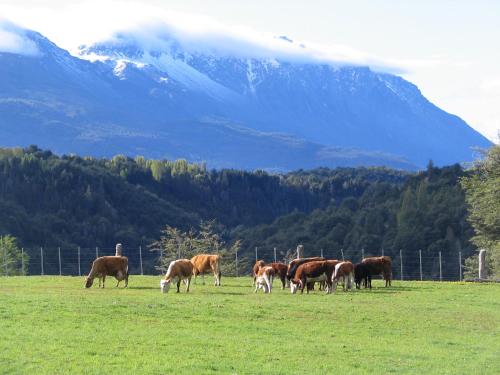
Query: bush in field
pixel 177 244
pixel 11 257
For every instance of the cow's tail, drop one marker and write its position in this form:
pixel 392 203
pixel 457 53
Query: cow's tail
pixel 217 269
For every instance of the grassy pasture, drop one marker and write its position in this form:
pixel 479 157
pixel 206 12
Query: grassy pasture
pixel 51 325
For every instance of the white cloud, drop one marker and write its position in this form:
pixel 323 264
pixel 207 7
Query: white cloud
pixel 14 40
pixel 89 21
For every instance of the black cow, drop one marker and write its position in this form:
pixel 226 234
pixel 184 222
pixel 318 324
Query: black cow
pixel 362 275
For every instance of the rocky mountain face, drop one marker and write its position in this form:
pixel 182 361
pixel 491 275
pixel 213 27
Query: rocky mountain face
pixel 229 111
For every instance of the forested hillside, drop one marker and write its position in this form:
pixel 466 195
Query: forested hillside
pixel 69 201
pixel 425 213
pixel 47 200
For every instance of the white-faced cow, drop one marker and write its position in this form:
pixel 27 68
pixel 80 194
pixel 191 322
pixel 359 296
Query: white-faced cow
pixel 256 267
pixel 205 263
pixel 264 279
pixel 178 270
pixel 310 272
pixel 294 264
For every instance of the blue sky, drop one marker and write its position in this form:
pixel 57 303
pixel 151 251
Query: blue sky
pixel 450 49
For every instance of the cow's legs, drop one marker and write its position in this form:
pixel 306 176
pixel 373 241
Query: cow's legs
pixel 103 280
pixel 188 282
pixel 178 285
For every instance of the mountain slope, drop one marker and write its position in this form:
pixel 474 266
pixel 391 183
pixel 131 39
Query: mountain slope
pixel 228 110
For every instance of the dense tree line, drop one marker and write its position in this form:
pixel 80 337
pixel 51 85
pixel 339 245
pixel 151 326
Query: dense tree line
pixel 69 201
pixel 427 213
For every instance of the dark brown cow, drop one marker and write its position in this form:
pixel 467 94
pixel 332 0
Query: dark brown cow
pixel 379 266
pixel 362 275
pixel 256 267
pixel 311 272
pixel 280 270
pixel 204 263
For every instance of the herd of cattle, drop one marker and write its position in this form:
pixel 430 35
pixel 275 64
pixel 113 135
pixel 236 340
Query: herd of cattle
pixel 299 274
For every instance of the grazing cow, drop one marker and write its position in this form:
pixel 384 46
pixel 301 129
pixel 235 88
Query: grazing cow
pixel 258 264
pixel 362 275
pixel 294 264
pixel 205 263
pixel 280 269
pixel 310 272
pixel 178 270
pixel 379 266
pixel 345 271
pixel 264 279
pixel 108 266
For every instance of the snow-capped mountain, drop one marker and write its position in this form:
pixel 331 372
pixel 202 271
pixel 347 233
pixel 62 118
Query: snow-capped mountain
pixel 169 100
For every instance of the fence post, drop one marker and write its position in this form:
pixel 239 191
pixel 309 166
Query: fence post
pixel 362 253
pixel 321 253
pixel 482 264
pixel 256 254
pixel 59 256
pixel 342 252
pixel 22 261
pixel 79 270
pixel 96 252
pixel 41 261
pixel 382 251
pixel 140 259
pixel 440 268
pixel 236 262
pixel 460 264
pixel 274 255
pixel 5 258
pixel 401 262
pixel 420 260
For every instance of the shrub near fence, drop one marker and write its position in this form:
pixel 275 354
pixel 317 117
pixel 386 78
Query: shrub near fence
pixel 419 265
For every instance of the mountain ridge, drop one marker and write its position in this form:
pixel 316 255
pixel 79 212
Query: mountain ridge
pixel 228 111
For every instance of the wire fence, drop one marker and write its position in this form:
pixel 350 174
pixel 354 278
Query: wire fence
pixel 406 265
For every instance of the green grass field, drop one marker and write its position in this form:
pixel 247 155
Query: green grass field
pixel 52 325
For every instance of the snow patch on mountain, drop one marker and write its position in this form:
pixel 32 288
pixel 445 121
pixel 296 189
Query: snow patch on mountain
pixel 14 39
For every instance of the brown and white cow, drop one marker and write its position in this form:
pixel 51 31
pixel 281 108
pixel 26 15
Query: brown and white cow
pixel 108 266
pixel 205 263
pixel 264 279
pixel 379 266
pixel 256 267
pixel 343 271
pixel 310 272
pixel 178 270
pixel 294 264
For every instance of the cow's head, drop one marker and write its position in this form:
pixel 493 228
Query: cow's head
pixel 88 282
pixel 165 285
pixel 293 286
